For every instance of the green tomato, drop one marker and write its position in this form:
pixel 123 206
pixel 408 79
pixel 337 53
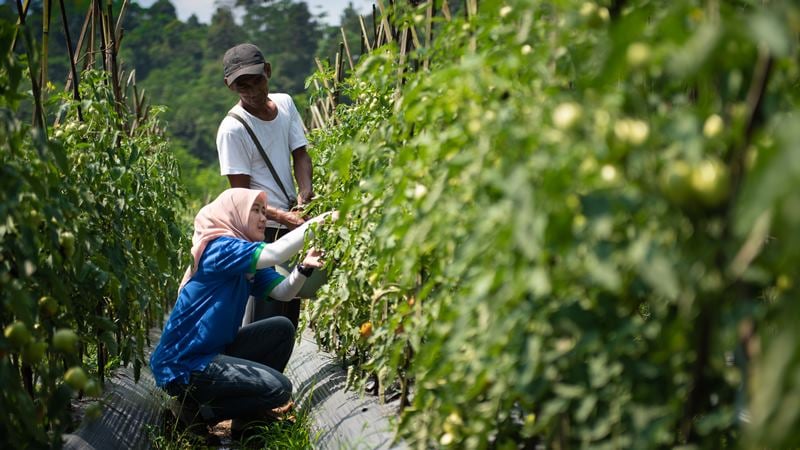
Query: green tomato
pixel 66 341
pixel 567 115
pixel 33 352
pixel 67 241
pixel 675 182
pixel 76 378
pixel 711 181
pixel 17 333
pixel 48 305
pixel 94 411
pixel 93 388
pixel 638 54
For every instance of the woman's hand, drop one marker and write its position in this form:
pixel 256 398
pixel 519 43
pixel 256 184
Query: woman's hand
pixel 331 216
pixel 314 258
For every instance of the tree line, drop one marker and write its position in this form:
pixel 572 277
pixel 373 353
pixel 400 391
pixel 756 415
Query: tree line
pixel 179 62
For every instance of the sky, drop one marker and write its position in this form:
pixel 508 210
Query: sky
pixel 203 9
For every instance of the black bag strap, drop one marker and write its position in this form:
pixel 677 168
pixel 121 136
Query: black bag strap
pixel 263 155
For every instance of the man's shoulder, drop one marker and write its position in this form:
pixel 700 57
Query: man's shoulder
pixel 280 97
pixel 232 124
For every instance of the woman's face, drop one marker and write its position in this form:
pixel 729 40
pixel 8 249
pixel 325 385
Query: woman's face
pixel 257 221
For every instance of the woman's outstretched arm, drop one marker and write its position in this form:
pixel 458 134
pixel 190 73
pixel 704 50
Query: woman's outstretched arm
pixel 291 243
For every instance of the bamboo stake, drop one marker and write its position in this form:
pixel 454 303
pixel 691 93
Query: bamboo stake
pixel 402 64
pixel 472 8
pixel 379 36
pixel 78 47
pixel 364 36
pixel 387 28
pixel 92 33
pixel 337 66
pixel 317 116
pixel 428 33
pixel 38 113
pixel 331 100
pixel 111 48
pixel 414 37
pixel 375 36
pixel 347 48
pixel 16 30
pixel 104 36
pixel 470 11
pixel 337 75
pixel 323 103
pixel 118 30
pixel 132 82
pixel 446 10
pixel 45 40
pixel 73 73
pixel 390 18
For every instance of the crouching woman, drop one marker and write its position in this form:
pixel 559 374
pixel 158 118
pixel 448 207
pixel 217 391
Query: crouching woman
pixel 218 370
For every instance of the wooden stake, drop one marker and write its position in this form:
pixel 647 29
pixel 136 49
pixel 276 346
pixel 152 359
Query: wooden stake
pixel 347 48
pixel 24 9
pixel 428 33
pixel 387 28
pixel 364 36
pixel 77 54
pixel 118 30
pixel 45 40
pixel 38 113
pixel 73 72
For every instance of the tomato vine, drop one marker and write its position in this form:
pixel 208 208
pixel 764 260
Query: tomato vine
pixel 574 227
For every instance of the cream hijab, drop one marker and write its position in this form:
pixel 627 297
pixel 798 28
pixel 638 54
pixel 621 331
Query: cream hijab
pixel 227 215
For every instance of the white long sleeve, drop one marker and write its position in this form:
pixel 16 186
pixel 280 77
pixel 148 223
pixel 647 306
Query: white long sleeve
pixel 282 249
pixel 289 287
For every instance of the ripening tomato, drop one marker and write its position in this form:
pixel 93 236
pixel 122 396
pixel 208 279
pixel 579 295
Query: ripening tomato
pixel 366 329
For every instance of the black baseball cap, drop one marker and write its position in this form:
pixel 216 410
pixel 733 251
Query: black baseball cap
pixel 244 59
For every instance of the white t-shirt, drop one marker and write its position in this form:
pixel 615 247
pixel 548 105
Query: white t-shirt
pixel 279 137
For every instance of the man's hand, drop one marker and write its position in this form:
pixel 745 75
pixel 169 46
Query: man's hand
pixel 304 197
pixel 303 173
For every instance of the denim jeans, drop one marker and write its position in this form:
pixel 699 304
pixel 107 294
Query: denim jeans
pixel 246 380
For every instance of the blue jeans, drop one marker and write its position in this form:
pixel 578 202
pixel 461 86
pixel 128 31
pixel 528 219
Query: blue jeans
pixel 246 380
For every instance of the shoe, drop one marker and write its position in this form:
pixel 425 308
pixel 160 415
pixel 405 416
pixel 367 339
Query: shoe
pixel 187 418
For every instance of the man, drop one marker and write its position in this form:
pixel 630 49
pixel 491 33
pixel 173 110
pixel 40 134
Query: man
pixel 276 125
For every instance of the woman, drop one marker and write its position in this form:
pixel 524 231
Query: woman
pixel 218 370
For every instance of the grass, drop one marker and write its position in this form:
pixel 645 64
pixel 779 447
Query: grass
pixel 278 435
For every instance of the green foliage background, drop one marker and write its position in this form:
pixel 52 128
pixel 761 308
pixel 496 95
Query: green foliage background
pixel 533 268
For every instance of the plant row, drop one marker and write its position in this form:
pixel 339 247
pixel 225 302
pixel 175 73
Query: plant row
pixel 571 224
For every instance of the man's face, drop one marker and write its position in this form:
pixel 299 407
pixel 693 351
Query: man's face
pixel 252 89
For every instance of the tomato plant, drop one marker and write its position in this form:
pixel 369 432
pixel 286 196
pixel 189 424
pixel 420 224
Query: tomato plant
pixel 89 237
pixel 578 215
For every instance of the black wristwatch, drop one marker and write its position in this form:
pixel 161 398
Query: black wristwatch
pixel 305 270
